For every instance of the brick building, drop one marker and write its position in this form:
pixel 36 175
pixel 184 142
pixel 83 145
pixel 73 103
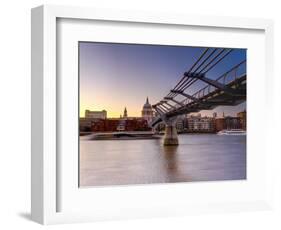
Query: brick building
pixel 228 123
pixel 242 115
pixel 220 124
pixel 119 124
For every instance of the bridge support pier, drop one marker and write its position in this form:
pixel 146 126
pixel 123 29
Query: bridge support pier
pixel 171 135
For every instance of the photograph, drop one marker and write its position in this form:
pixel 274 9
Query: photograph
pixel 154 114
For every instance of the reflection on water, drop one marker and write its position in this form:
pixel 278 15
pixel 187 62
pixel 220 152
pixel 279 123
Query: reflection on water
pixel 202 157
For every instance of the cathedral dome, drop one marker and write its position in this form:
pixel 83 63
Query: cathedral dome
pixel 147 111
pixel 147 105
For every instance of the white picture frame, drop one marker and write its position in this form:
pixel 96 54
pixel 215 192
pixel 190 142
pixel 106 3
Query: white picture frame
pixel 46 179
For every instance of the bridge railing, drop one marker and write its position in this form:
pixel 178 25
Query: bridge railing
pixel 230 76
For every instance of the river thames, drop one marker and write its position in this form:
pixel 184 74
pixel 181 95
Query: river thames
pixel 198 157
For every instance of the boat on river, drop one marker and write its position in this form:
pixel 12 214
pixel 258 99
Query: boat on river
pixel 234 132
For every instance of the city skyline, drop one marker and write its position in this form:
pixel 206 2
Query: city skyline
pixel 218 115
pixel 115 76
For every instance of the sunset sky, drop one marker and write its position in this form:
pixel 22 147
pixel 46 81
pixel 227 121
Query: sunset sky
pixel 115 76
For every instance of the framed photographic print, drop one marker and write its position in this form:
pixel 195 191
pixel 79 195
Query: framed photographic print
pixel 138 114
pixel 197 132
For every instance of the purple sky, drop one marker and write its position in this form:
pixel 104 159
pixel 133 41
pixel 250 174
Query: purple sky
pixel 113 76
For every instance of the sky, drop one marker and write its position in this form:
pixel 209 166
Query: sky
pixel 114 76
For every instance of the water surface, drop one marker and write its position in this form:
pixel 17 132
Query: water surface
pixel 198 157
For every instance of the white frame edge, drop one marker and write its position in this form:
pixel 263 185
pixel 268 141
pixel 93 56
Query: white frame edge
pixel 43 86
pixel 37 115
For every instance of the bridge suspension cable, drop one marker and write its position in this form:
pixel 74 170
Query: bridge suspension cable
pixel 185 78
pixel 201 66
pixel 178 87
pixel 193 80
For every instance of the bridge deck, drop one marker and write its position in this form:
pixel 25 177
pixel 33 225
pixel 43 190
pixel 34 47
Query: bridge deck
pixel 217 97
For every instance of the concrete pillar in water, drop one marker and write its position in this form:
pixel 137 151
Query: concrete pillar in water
pixel 171 135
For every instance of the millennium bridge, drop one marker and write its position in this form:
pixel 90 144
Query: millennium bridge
pixel 227 89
